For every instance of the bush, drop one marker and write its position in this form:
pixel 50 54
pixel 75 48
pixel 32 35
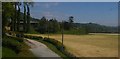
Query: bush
pixel 11 43
pixel 16 38
pixel 59 46
pixel 72 56
pixel 54 42
pixel 8 52
pixel 33 37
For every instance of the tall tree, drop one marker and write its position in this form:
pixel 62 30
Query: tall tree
pixel 43 25
pixel 54 25
pixel 7 13
pixel 71 21
pixel 18 16
pixel 24 21
pixel 15 16
pixel 66 26
pixel 27 19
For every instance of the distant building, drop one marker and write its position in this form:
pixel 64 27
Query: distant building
pixel 33 23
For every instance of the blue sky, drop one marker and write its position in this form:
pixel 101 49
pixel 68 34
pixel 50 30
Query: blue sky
pixel 104 13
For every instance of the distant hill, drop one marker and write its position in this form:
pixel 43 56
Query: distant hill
pixel 97 28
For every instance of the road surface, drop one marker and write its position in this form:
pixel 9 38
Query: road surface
pixel 39 49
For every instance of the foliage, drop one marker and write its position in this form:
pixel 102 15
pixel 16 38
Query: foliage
pixel 12 44
pixel 76 31
pixel 7 13
pixel 52 47
pixel 33 37
pixel 54 42
pixel 65 25
pixel 42 25
pixel 12 16
pixel 32 30
pixel 53 26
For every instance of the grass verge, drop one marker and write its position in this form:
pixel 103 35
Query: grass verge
pixel 12 47
pixel 53 48
pixel 7 52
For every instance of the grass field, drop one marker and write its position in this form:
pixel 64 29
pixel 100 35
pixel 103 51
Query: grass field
pixel 93 45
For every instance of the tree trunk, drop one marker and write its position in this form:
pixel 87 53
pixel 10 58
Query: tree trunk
pixel 18 18
pixel 15 18
pixel 24 25
pixel 28 18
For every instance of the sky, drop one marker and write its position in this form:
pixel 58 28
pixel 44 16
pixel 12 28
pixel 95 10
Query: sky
pixel 104 13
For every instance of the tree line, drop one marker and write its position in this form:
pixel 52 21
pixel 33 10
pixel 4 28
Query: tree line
pixel 11 15
pixel 69 27
pixel 54 26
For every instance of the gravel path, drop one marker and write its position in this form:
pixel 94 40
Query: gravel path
pixel 39 49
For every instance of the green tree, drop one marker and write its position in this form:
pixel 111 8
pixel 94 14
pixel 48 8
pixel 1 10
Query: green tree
pixel 66 25
pixel 15 16
pixel 28 14
pixel 54 26
pixel 27 19
pixel 43 25
pixel 24 21
pixel 7 13
pixel 71 21
pixel 18 16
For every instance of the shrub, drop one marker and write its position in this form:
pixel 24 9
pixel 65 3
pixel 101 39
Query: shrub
pixel 33 37
pixel 11 43
pixel 59 46
pixel 16 38
pixel 8 53
pixel 54 42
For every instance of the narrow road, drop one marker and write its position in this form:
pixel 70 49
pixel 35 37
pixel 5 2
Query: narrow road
pixel 39 49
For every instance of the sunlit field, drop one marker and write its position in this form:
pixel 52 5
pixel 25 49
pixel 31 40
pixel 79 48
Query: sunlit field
pixel 92 45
